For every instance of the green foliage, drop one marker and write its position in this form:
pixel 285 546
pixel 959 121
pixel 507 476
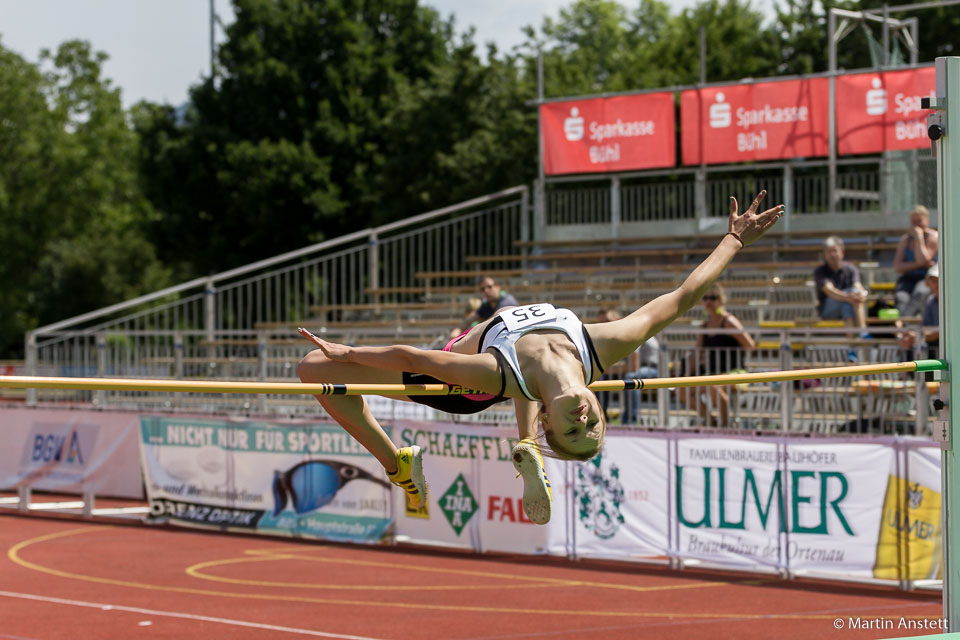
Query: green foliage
pixel 597 46
pixel 292 143
pixel 328 116
pixel 70 205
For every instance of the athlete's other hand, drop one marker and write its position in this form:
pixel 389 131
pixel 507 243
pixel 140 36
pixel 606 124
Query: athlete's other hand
pixel 750 225
pixel 333 351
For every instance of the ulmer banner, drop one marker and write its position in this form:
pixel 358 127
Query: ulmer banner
pixel 608 134
pixel 762 121
pixel 292 478
pixel 881 111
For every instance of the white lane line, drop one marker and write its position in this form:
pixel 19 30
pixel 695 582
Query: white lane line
pixel 187 616
pixel 108 511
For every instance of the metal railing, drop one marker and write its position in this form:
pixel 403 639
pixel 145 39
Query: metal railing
pixel 865 404
pixel 217 318
pixel 889 184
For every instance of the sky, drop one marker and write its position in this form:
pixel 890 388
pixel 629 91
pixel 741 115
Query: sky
pixel 159 48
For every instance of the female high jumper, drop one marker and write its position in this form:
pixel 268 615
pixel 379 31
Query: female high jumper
pixel 541 357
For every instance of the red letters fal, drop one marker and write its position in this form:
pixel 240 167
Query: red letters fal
pixel 762 121
pixel 608 134
pixel 505 508
pixel 881 111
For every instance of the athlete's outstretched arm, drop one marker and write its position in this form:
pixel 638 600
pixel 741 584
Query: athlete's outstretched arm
pixel 480 371
pixel 528 424
pixel 616 340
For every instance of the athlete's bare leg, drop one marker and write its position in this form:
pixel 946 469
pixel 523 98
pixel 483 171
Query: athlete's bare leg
pixel 352 412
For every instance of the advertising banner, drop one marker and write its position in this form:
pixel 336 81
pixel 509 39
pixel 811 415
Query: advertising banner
pixel 619 500
pixel 475 499
pixel 608 134
pixel 71 451
pixel 835 493
pixel 729 501
pixel 291 478
pixel 881 111
pixel 762 121
pixel 866 508
pixel 911 525
pixel 807 507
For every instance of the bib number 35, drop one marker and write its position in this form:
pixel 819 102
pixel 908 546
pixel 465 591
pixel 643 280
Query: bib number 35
pixel 528 315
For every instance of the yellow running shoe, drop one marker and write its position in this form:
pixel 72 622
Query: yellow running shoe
pixel 537 496
pixel 409 476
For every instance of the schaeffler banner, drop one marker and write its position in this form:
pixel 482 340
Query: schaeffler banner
pixel 881 111
pixel 608 134
pixel 294 478
pixel 762 121
pixel 475 498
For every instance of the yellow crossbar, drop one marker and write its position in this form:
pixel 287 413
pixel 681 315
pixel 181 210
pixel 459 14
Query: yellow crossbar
pixel 328 389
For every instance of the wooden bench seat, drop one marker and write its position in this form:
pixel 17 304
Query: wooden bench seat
pixel 683 252
pixel 607 269
pixel 252 342
pixel 773 237
pixel 385 306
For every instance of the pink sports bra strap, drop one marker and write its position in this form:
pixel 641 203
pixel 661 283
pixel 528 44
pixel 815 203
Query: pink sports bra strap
pixel 455 340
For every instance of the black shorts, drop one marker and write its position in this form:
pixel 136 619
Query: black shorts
pixel 461 404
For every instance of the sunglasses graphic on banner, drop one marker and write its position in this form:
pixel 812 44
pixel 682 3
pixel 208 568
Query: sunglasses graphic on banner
pixel 314 483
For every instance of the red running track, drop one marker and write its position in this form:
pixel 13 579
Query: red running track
pixel 69 579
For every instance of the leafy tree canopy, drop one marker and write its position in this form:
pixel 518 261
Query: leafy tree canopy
pixel 70 203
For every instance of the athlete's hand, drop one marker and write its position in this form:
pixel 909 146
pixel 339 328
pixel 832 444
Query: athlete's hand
pixel 333 351
pixel 750 225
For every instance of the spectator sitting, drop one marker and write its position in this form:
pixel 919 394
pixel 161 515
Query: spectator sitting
pixel 840 294
pixel 916 254
pixel 494 298
pixel 931 318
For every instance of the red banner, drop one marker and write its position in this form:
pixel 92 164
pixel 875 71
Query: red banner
pixel 763 121
pixel 608 134
pixel 881 111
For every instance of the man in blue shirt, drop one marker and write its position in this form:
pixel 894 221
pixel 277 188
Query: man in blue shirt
pixel 840 294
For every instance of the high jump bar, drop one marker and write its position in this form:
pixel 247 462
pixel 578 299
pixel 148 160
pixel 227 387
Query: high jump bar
pixel 331 389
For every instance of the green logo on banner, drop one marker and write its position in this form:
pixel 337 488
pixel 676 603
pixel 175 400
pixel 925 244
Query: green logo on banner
pixel 599 496
pixel 458 504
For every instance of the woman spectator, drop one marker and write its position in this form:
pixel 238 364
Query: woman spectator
pixel 916 253
pixel 717 353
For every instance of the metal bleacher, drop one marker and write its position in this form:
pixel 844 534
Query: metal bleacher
pixel 407 283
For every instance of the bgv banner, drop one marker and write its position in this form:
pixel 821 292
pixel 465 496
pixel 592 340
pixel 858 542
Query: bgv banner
pixel 71 451
pixel 608 134
pixel 881 111
pixel 763 121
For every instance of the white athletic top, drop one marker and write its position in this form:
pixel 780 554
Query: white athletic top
pixel 502 334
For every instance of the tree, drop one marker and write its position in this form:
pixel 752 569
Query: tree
pixel 738 43
pixel 802 31
pixel 289 144
pixel 70 201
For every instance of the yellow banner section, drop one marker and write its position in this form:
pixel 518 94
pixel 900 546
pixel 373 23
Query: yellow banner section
pixel 909 545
